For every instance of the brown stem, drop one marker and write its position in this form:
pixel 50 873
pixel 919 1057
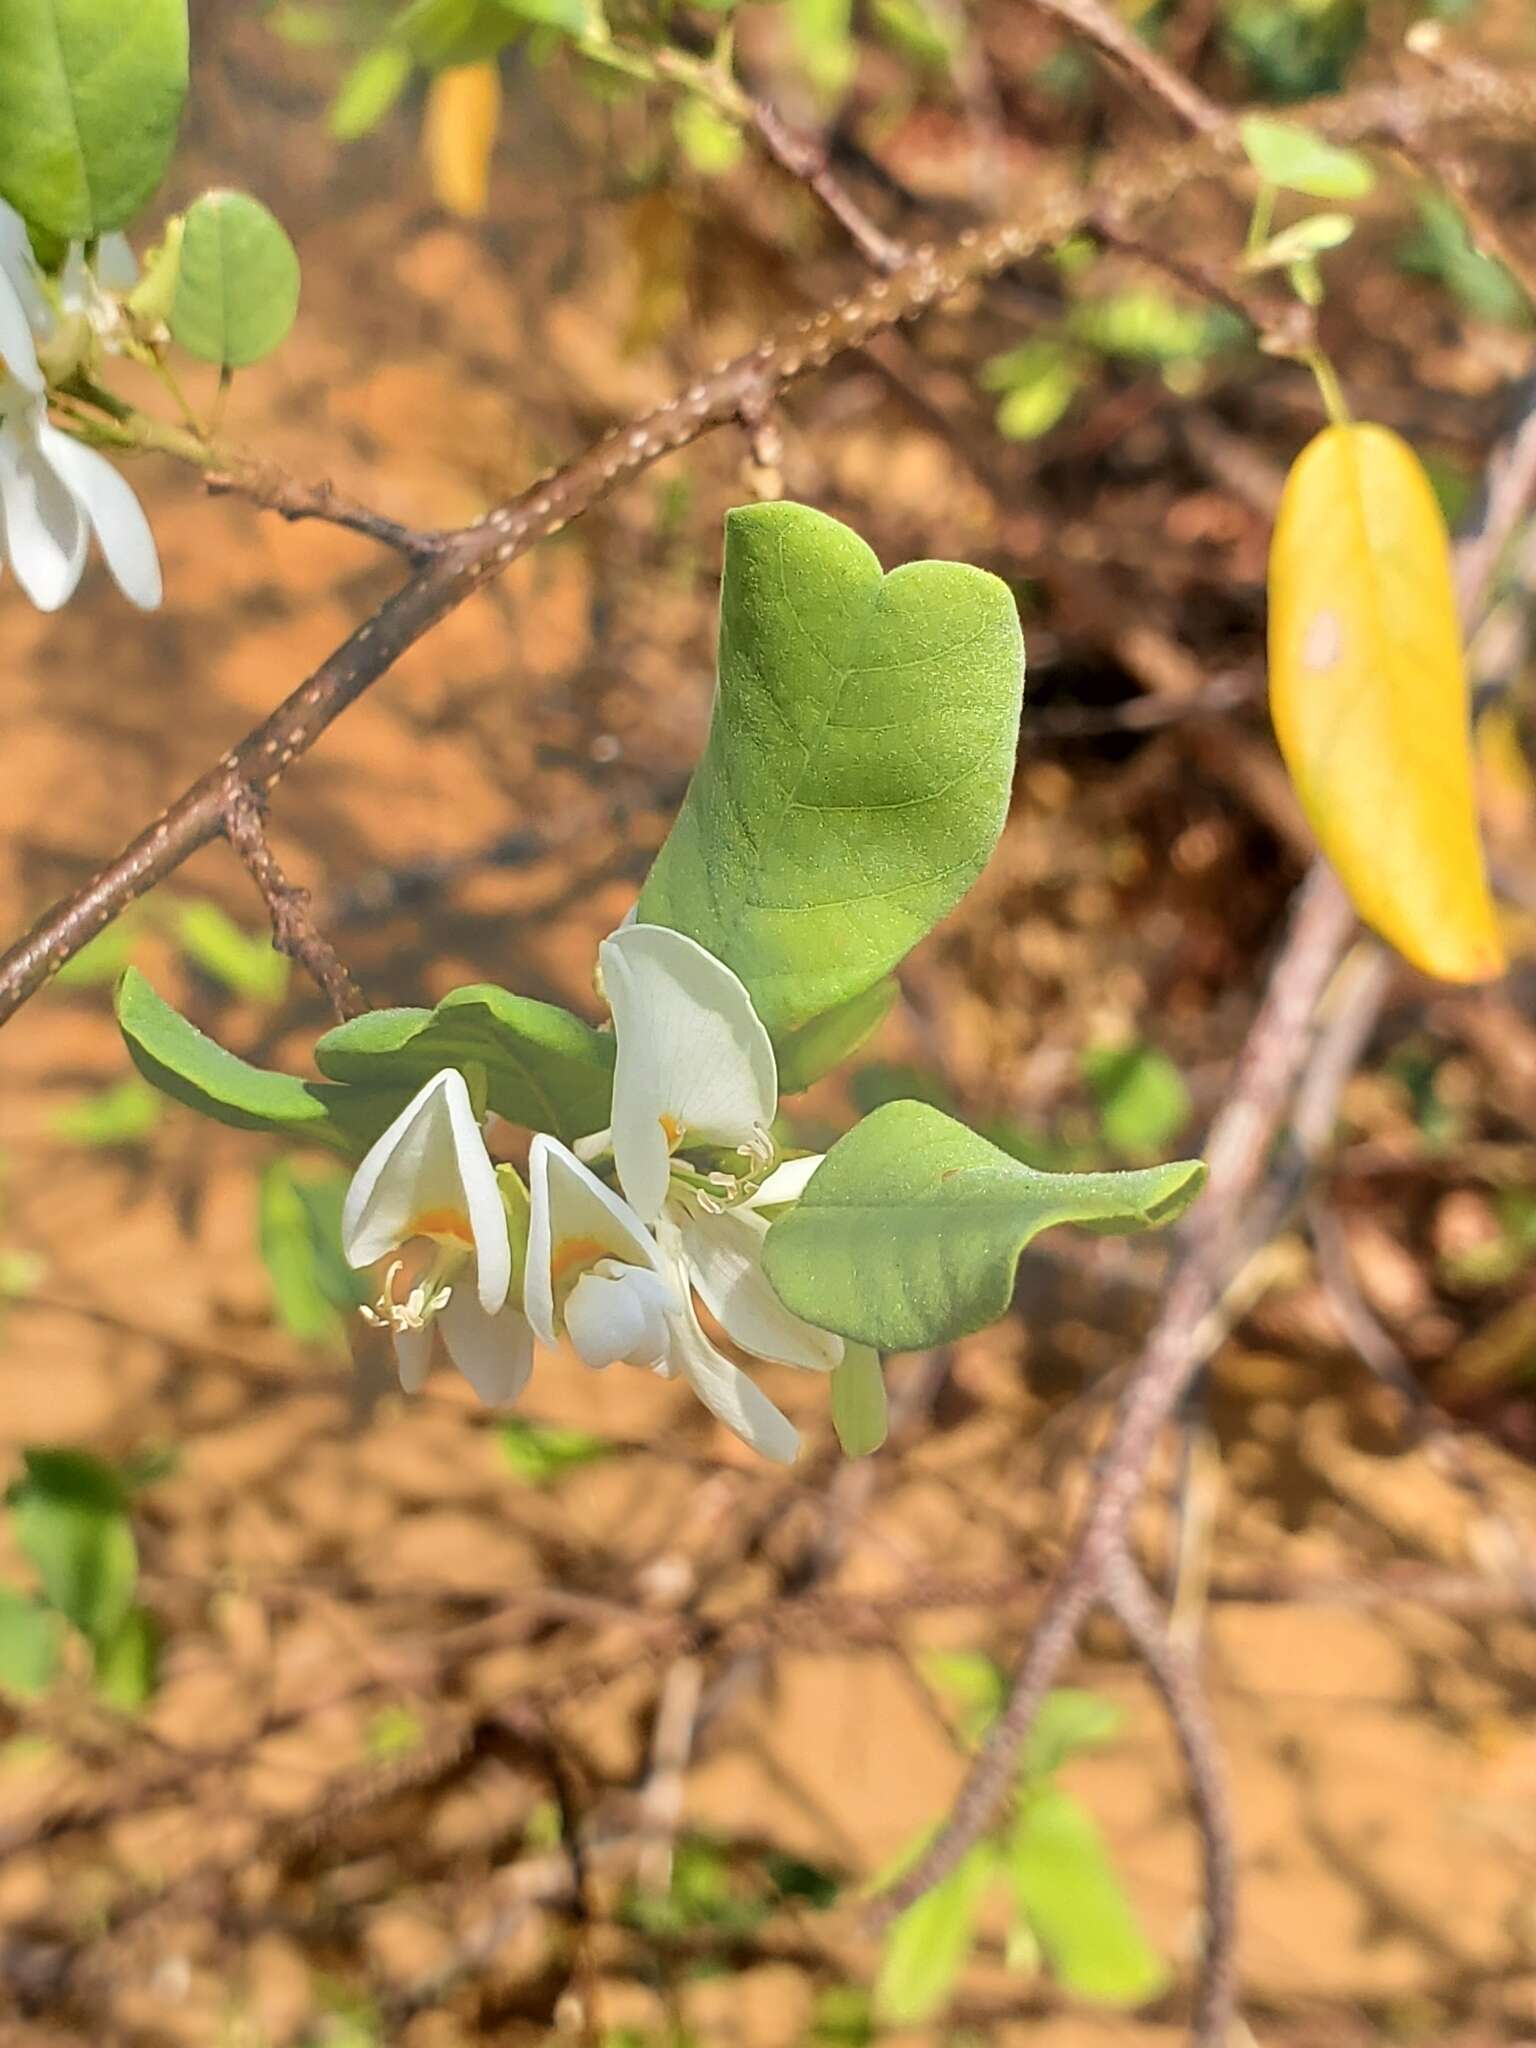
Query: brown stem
pixel 805 157
pixel 294 930
pixel 1109 33
pixel 1177 1679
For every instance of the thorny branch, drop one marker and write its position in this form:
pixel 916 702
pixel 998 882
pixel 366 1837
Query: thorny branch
pixel 1130 181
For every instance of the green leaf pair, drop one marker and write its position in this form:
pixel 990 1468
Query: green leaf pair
pixel 1070 1912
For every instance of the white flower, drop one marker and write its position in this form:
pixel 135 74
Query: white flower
pixel 54 491
pixel 428 1185
pixel 695 1069
pixel 597 1276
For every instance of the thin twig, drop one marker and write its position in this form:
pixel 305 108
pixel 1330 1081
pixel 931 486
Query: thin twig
pixel 806 158
pixel 1109 33
pixel 294 930
pixel 269 487
pixel 1177 1679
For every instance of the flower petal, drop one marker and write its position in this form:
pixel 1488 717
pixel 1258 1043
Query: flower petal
pixel 18 351
pixel 117 268
pixel 729 1395
pixel 693 1056
pixel 725 1262
pixel 413 1358
pixel 494 1352
pixel 619 1316
pixel 786 1183
pixel 432 1157
pixel 23 308
pixel 114 511
pixel 44 533
pixel 569 1205
pixel 858 1401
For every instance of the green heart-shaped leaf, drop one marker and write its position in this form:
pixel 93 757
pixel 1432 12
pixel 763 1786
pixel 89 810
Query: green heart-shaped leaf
pixel 543 1067
pixel 858 766
pixel 910 1231
pixel 90 100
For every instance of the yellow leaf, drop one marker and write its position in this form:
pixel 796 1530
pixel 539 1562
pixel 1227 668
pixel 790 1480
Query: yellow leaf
pixel 458 134
pixel 1368 690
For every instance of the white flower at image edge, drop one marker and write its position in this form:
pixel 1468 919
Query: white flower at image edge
pixel 427 1193
pixel 54 491
pixel 694 1068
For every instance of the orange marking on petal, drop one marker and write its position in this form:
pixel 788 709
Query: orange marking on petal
pixel 452 1224
pixel 672 1131
pixel 576 1251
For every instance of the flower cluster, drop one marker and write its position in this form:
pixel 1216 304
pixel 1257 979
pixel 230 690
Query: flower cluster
pixel 54 491
pixel 616 1272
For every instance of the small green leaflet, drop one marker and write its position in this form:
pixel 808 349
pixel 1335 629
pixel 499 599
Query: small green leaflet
pixel 927 1947
pixel 543 1067
pixel 237 281
pixel 29 1644
pixel 910 1231
pixel 1066 1891
pixel 858 766
pixel 1285 154
pixel 187 1065
pixel 90 101
pixel 71 1519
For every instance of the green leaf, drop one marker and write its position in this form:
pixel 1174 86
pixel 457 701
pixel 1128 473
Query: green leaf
pixel 1284 154
pixel 102 959
pixel 72 1524
pixel 127 1662
pixel 858 1401
pixel 29 1644
pixel 188 1066
pixel 122 1115
pixel 539 1453
pixel 247 964
pixel 927 1947
pixel 858 766
pixel 1302 242
pixel 712 143
pixel 1064 1886
pixel 1038 380
pixel 805 1055
pixel 300 1237
pixel 909 1232
pixel 1149 326
pixel 543 1067
pixel 237 288
pixel 1069 1721
pixel 1443 249
pixel 368 91
pixel 976 1685
pixel 571 17
pixel 1143 1102
pixel 90 101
